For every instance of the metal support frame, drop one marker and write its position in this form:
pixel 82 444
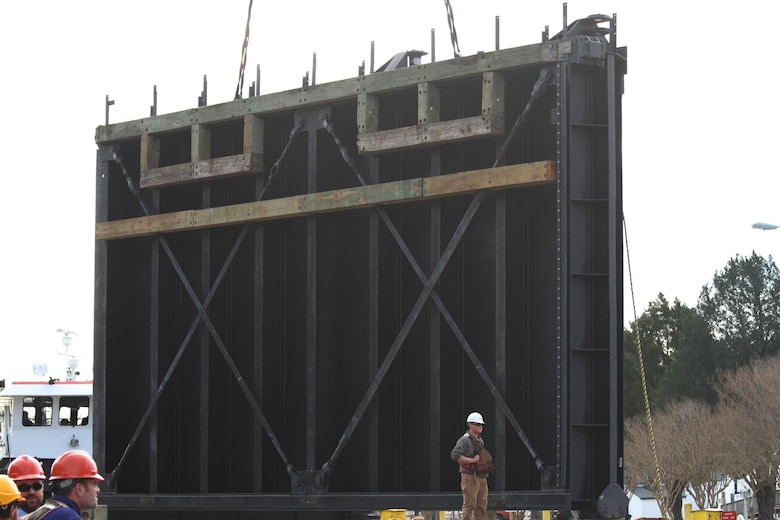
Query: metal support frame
pixel 585 252
pixel 202 315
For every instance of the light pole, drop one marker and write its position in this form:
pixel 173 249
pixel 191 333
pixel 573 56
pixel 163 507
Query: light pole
pixel 763 226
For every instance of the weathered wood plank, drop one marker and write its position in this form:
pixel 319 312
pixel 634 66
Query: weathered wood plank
pixel 528 174
pixel 505 59
pixel 367 113
pixel 150 151
pixel 167 175
pixel 144 226
pixel 504 177
pixel 428 103
pixel 254 132
pixel 431 134
pixel 200 143
pixel 493 93
pixel 242 164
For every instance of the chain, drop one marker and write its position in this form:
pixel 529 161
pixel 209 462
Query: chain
pixel 453 33
pixel 244 47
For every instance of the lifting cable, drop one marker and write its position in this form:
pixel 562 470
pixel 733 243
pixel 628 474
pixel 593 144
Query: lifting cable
pixel 453 32
pixel 201 315
pixel 659 489
pixel 244 47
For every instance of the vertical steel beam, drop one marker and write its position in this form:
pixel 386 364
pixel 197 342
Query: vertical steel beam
pixel 594 333
pixel 204 386
pixel 434 334
pixel 154 350
pixel 500 331
pixel 311 310
pixel 562 209
pixel 373 332
pixel 101 315
pixel 615 275
pixel 257 343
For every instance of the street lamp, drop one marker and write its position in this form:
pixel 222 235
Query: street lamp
pixel 763 226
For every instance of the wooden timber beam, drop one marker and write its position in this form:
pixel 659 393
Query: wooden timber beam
pixel 342 90
pixel 242 164
pixel 430 130
pixel 505 177
pixel 430 134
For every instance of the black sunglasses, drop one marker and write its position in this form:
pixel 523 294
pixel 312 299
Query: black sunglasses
pixel 26 487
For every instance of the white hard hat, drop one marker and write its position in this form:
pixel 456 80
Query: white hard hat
pixel 475 417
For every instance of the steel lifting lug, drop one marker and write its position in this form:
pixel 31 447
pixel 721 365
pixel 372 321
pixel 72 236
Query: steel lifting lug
pixel 325 123
pixel 545 75
pixel 297 125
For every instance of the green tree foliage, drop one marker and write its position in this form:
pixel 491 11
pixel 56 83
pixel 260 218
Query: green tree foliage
pixel 742 307
pixel 652 331
pixel 679 355
pixel 633 396
pixel 695 361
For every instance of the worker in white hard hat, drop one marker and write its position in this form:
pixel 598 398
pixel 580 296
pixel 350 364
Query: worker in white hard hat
pixel 467 452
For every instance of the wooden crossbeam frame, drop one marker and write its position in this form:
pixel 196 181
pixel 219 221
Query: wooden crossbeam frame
pixel 329 93
pixel 505 177
pixel 202 165
pixel 430 130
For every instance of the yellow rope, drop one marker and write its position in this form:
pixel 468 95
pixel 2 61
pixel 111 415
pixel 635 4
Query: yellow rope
pixel 659 489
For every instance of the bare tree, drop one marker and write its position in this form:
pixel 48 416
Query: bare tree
pixel 689 444
pixel 642 466
pixel 693 442
pixel 750 407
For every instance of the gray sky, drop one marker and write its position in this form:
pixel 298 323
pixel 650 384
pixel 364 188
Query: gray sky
pixel 698 111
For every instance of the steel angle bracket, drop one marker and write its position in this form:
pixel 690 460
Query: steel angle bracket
pixel 555 50
pixel 309 483
pixel 308 120
pixel 549 478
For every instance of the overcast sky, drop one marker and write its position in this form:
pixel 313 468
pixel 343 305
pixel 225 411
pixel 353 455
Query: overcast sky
pixel 699 115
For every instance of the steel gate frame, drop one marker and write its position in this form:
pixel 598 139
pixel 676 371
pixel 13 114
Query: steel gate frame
pixel 575 207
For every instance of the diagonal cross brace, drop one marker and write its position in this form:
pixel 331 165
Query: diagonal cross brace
pixel 465 344
pixel 202 315
pixel 328 466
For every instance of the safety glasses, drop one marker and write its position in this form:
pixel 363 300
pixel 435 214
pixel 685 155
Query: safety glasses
pixel 23 488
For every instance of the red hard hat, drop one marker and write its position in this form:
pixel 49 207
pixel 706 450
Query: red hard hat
pixel 26 468
pixel 74 464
